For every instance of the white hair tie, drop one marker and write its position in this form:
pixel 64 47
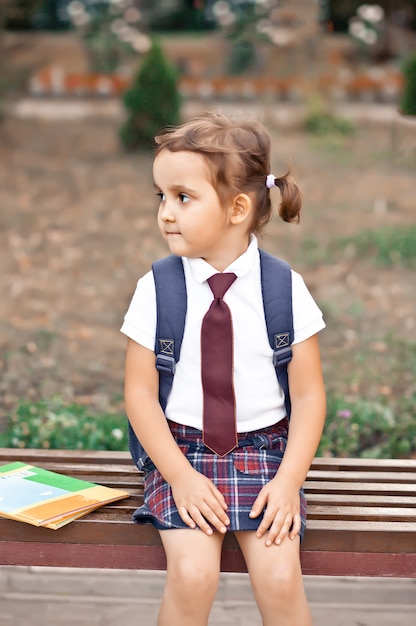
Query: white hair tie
pixel 270 181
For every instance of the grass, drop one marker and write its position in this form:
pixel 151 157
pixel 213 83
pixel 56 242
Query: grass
pixel 57 425
pixel 354 427
pixel 369 428
pixel 387 246
pixel 327 124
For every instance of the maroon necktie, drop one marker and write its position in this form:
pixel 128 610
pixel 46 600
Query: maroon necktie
pixel 219 422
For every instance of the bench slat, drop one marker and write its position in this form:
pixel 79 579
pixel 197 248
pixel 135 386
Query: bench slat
pixel 152 557
pixel 364 513
pixel 360 488
pixel 33 455
pixel 361 465
pixel 101 457
pixel 357 499
pixel 361 519
pixel 363 476
pixel 329 535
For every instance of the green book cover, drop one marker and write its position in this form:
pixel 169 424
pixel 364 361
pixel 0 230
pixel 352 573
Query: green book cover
pixel 38 496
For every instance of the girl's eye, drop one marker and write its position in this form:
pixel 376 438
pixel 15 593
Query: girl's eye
pixel 183 197
pixel 161 196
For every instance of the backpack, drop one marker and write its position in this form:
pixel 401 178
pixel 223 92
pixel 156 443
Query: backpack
pixel 171 304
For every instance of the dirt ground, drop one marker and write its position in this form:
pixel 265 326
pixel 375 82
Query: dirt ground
pixel 78 227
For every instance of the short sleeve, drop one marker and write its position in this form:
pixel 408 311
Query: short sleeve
pixel 140 320
pixel 307 317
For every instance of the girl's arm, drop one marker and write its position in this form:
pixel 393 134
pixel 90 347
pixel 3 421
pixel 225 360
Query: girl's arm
pixel 308 398
pixel 307 394
pixel 196 497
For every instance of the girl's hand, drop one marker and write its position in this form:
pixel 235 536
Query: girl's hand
pixel 282 513
pixel 198 502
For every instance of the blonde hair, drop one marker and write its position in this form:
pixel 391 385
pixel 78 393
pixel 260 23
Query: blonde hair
pixel 237 152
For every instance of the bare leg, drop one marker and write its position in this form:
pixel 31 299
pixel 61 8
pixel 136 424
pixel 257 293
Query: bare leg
pixel 276 578
pixel 193 569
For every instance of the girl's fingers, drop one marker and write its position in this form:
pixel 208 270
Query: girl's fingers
pixel 199 502
pixel 199 520
pixel 268 519
pixel 277 525
pixel 205 517
pixel 185 517
pixel 219 498
pixel 258 506
pixel 279 531
pixel 297 524
pixel 205 514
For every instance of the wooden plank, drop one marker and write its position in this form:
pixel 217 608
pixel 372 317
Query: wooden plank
pixel 362 476
pixel 359 488
pixel 361 526
pixel 358 564
pixel 153 558
pixel 330 536
pixel 360 516
pixel 103 457
pixel 82 555
pixel 359 464
pixel 322 534
pixel 31 455
pixel 367 500
pixel 364 513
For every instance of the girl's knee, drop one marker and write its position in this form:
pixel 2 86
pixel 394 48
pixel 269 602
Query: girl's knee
pixel 193 577
pixel 281 582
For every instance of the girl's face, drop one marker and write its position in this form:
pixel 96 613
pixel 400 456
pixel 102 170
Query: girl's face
pixel 190 217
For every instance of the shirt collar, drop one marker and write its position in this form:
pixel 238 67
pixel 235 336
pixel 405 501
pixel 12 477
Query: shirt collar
pixel 201 270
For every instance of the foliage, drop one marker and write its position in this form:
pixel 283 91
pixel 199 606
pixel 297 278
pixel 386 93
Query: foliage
pixel 246 23
pixel 19 14
pixel 354 427
pixel 367 25
pixel 388 245
pixel 320 121
pixel 324 123
pixel 182 15
pixel 152 102
pixel 369 429
pixel 53 424
pixel 110 31
pixel 408 101
pixel 12 79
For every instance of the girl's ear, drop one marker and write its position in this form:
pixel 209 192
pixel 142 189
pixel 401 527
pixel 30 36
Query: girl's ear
pixel 241 206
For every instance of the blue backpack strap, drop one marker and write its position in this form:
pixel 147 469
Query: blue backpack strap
pixel 276 283
pixel 171 301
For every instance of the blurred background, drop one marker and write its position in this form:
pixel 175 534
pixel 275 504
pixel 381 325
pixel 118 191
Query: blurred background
pixel 85 85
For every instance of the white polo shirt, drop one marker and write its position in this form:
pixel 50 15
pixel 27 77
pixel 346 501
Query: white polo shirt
pixel 259 398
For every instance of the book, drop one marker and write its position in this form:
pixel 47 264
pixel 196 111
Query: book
pixel 44 498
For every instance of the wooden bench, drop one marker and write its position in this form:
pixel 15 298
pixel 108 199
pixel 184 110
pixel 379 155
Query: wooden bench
pixel 362 519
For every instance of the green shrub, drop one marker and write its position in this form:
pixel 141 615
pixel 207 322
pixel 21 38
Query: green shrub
pixel 389 246
pixel 408 100
pixel 369 428
pixel 152 102
pixel 242 57
pixel 354 427
pixel 53 424
pixel 324 123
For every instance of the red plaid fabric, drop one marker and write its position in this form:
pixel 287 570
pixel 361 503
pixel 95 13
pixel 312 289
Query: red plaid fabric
pixel 239 476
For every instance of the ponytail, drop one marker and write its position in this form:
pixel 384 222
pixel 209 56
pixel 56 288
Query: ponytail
pixel 291 202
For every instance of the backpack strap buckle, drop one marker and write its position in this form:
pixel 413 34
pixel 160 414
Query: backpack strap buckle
pixel 282 351
pixel 283 356
pixel 165 364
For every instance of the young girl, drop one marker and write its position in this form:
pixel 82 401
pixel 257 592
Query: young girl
pixel 213 182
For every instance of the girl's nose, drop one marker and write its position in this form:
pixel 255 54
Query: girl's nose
pixel 166 214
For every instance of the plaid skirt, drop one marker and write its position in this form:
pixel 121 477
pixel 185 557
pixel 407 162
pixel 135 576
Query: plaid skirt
pixel 239 476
